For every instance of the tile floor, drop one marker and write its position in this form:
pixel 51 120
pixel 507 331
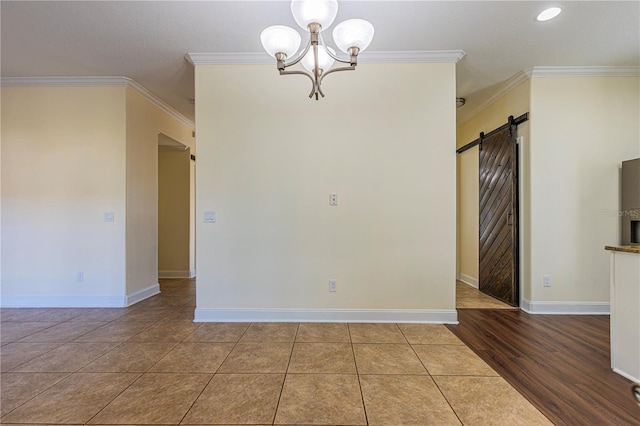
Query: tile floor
pixel 468 297
pixel 151 364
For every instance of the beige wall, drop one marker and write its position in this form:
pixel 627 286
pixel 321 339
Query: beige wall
pixel 383 139
pixel 144 122
pixel 174 213
pixel 581 130
pixel 516 103
pixel 70 154
pixel 63 166
pixel 142 193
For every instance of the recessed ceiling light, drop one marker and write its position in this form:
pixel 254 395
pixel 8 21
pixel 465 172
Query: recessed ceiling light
pixel 548 14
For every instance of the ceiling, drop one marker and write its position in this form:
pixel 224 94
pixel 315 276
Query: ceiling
pixel 148 40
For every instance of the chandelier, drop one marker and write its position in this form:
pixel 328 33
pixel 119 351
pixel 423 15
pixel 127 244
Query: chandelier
pixel 351 36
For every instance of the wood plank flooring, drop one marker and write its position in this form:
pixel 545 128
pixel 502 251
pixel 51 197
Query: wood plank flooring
pixel 560 363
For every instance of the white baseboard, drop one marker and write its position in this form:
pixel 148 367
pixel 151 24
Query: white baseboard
pixel 627 376
pixel 63 302
pixel 328 315
pixel 177 274
pixel 565 308
pixel 468 279
pixel 140 295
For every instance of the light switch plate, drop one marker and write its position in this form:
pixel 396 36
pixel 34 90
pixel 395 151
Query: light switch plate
pixel 209 217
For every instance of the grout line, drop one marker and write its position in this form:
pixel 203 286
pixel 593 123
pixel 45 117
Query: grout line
pixel 114 398
pixel 364 406
pixel 215 372
pixel 446 399
pixel 39 393
pixel 286 372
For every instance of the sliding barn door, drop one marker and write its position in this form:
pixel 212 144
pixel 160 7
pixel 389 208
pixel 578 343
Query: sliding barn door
pixel 498 216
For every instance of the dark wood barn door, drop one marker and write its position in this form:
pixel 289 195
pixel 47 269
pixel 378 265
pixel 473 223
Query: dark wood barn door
pixel 499 216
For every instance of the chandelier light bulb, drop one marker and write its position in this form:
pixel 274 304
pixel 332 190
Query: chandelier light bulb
pixel 351 36
pixel 322 12
pixel 280 39
pixel 353 33
pixel 324 60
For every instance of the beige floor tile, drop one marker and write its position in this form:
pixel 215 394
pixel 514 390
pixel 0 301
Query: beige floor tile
pixel 452 360
pixel 468 297
pixel 69 357
pixel 15 354
pixel 175 331
pixel 328 358
pixel 258 358
pixel 489 400
pixel 176 291
pixel 18 388
pixel 63 332
pixel 218 332
pixel 180 314
pixel 169 301
pixel 156 398
pixel 270 332
pixel 237 399
pixel 321 399
pixel 314 332
pixel 101 314
pixel 23 314
pixel 145 314
pixel 12 331
pixel 387 359
pixel 405 400
pixel 74 400
pixel 429 334
pixel 194 358
pixel 130 357
pixel 376 333
pixel 63 314
pixel 115 332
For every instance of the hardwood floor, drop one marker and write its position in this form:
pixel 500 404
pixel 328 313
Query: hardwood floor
pixel 560 363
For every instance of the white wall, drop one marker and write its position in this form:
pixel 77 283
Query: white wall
pixel 383 139
pixel 582 128
pixel 63 166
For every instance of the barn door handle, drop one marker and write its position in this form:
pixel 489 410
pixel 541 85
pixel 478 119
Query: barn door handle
pixel 510 219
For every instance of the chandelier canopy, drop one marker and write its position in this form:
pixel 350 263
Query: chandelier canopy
pixel 314 16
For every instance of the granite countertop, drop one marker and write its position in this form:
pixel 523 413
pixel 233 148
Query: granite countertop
pixel 626 249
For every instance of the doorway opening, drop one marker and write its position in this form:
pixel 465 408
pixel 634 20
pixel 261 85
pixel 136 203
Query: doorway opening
pixel 498 218
pixel 175 236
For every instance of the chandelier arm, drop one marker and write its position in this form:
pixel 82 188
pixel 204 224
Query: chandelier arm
pixel 351 68
pixel 335 57
pixel 299 58
pixel 313 83
pixel 316 71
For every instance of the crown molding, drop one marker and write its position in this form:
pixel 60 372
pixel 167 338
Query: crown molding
pixel 132 84
pixel 367 57
pixel 254 58
pixel 504 88
pixel 545 72
pixel 596 71
pixel 96 82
